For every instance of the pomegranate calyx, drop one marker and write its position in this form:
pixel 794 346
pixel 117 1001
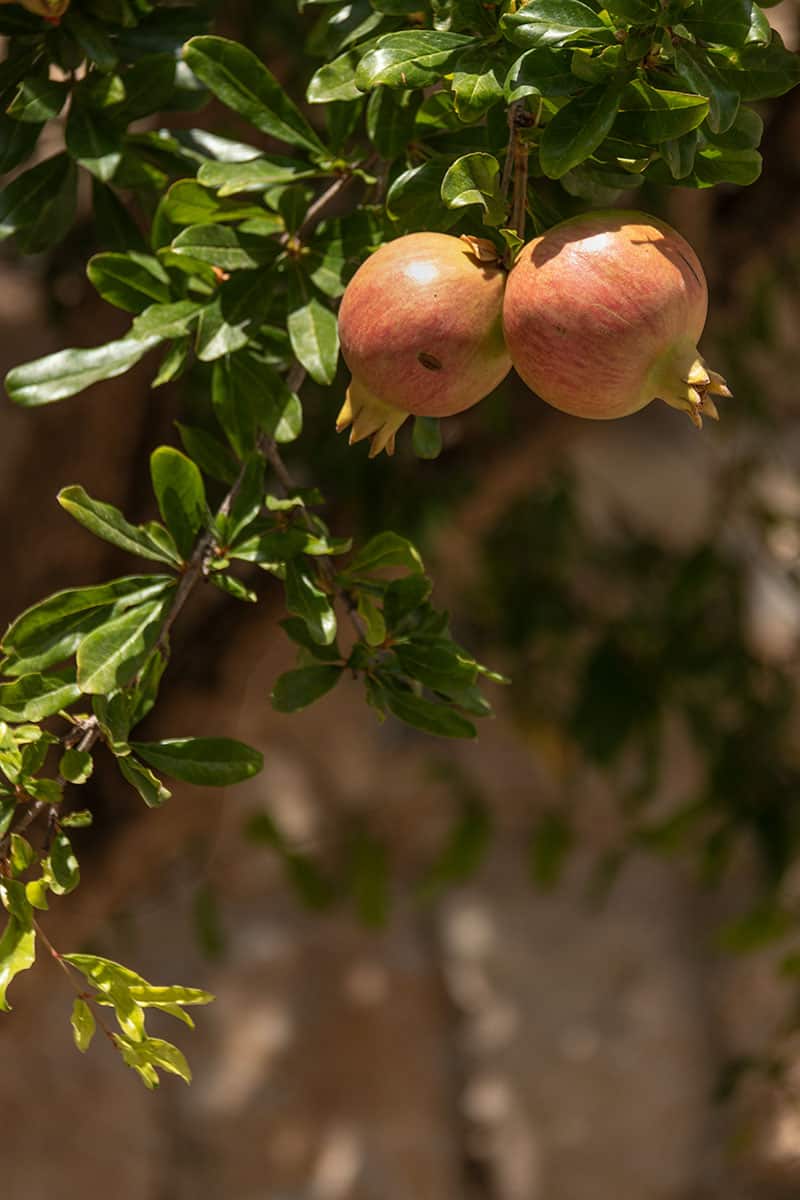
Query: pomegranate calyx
pixel 689 385
pixel 369 418
pixel 481 248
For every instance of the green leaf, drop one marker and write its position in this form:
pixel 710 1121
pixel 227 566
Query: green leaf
pixel 146 1055
pixel 475 179
pixel 297 630
pixel 92 39
pixel 703 77
pixel 94 141
pixel 224 248
pixel 208 762
pixel 243 83
pixel 130 281
pixel 70 371
pixel 295 690
pixel 188 203
pixel 477 84
pixel 336 80
pixel 410 60
pixel 107 522
pixel 161 321
pixel 554 22
pixel 17 954
pixel 578 128
pixel 181 496
pixel 76 765
pixel 427 437
pixel 39 205
pixel 726 22
pixel 437 663
pixel 83 1024
pixel 385 550
pixel 312 329
pixel 148 785
pixel 372 617
pixel 437 719
pixel 653 116
pixel 38 99
pixel 253 175
pixel 110 656
pixel 81 819
pixel 23 854
pixel 36 697
pixel 209 453
pixel 64 867
pixel 390 120
pixel 414 199
pixel 51 631
pixel 542 71
pixel 15 901
pixel 759 72
pixel 307 601
pixel 17 142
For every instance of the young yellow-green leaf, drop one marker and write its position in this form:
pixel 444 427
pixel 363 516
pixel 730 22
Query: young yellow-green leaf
pixel 148 785
pixel 130 281
pixel 181 496
pixel 295 690
pixel 372 616
pixel 76 765
pixel 110 656
pixel 144 1056
pixel 208 762
pixel 15 902
pixel 107 522
pixel 23 854
pixel 17 953
pixel 241 81
pixel 83 1024
pixel 36 893
pixel 70 371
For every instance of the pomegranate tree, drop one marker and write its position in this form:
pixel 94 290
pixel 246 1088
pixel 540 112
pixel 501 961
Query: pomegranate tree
pixel 603 314
pixel 421 331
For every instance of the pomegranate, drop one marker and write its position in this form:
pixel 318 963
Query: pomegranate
pixel 421 330
pixel 603 313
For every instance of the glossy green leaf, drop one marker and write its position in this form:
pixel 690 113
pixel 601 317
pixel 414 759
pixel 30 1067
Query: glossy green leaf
pixel 475 179
pixel 208 452
pixel 477 83
pixel 254 175
pixel 181 495
pixel 385 550
pixel 107 522
pixel 241 81
pixel 38 99
pixel 222 247
pixel 129 281
pixel 295 690
pixel 578 128
pixel 310 603
pixel 94 141
pixel 207 762
pixel 39 205
pixel 35 697
pixel 83 1024
pixel 161 321
pixel 140 777
pixel 541 71
pixel 150 1053
pixel 437 663
pixel 70 371
pixel 703 77
pixel 410 60
pixel 17 954
pixel 653 116
pixel 554 22
pixel 17 142
pixel 437 719
pixel 726 22
pixel 759 72
pixel 51 631
pixel 65 872
pixel 335 80
pixel 312 329
pixel 110 656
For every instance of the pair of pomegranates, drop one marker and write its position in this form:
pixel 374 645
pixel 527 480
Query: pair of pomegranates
pixel 599 316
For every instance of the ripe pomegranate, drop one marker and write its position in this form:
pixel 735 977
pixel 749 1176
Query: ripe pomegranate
pixel 603 313
pixel 421 330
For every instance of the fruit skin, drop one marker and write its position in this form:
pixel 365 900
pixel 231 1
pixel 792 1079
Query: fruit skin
pixel 602 314
pixel 420 325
